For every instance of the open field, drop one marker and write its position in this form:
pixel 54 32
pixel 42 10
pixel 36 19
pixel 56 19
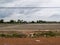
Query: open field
pixel 14 27
pixel 27 29
pixel 30 41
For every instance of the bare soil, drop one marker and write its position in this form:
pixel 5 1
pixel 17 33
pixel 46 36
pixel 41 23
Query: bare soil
pixel 30 41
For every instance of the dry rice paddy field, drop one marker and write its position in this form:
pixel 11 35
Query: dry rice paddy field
pixel 28 28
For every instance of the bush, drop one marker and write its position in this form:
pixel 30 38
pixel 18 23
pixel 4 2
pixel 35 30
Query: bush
pixel 37 34
pixel 8 35
pixel 19 35
pixel 13 35
pixel 49 33
pixel 2 35
pixel 44 34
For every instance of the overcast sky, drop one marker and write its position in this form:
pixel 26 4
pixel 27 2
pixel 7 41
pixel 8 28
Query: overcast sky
pixel 31 10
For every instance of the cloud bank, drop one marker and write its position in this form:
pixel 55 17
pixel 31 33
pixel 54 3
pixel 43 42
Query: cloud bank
pixel 31 9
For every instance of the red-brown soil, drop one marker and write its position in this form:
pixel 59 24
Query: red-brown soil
pixel 30 41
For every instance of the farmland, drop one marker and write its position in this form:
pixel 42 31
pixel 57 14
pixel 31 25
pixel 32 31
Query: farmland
pixel 29 27
pixel 12 34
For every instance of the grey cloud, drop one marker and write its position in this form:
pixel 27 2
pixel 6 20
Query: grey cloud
pixel 23 3
pixel 30 3
pixel 28 11
pixel 6 1
pixel 5 13
pixel 24 13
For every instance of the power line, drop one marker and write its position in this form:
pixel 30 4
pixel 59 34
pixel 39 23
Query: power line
pixel 25 7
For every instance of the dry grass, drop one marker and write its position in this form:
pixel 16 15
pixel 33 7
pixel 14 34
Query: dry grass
pixel 29 26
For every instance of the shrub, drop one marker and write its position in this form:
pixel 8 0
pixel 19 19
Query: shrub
pixel 45 34
pixel 49 33
pixel 2 35
pixel 19 35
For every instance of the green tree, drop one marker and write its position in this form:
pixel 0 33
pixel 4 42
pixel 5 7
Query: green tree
pixel 32 22
pixel 1 21
pixel 12 21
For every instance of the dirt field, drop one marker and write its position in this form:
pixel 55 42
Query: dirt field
pixel 29 27
pixel 30 41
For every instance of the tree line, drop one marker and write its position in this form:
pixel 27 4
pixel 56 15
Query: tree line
pixel 25 22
